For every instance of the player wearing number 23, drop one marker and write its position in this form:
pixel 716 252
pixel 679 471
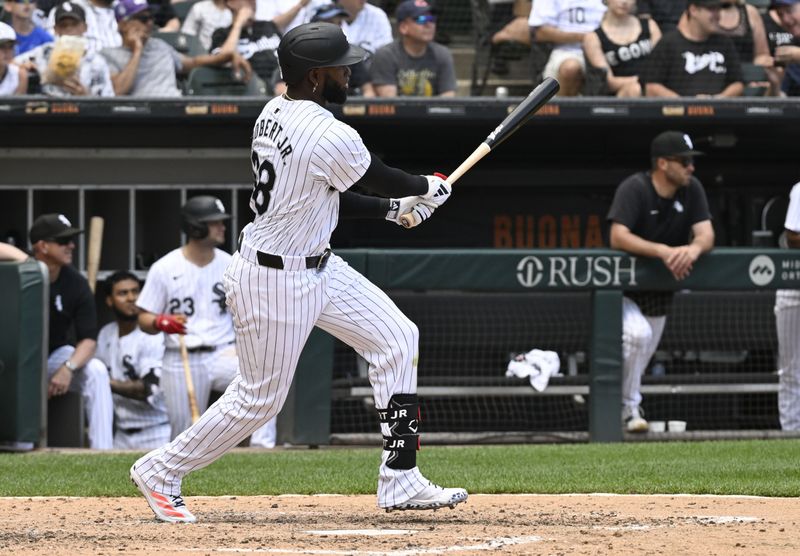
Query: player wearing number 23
pixel 183 294
pixel 283 281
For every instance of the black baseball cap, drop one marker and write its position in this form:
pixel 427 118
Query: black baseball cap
pixel 52 226
pixel 412 9
pixel 70 9
pixel 672 143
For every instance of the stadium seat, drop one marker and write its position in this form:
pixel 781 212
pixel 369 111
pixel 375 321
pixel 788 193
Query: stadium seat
pixel 755 80
pixel 773 216
pixel 188 45
pixel 213 81
pixel 182 8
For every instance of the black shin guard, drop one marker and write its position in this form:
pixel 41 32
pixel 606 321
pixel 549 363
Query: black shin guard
pixel 402 416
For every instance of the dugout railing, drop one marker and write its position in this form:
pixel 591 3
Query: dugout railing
pixel 719 348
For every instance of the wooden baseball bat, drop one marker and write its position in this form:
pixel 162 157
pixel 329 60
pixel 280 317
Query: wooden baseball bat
pixel 95 246
pixel 187 372
pixel 521 114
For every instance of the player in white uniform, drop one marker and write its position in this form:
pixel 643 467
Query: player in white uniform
pixel 184 294
pixel 284 280
pixel 787 321
pixel 133 359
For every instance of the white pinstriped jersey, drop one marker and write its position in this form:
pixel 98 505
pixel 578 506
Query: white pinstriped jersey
pixel 175 285
pixel 133 357
pixel 303 158
pixel 790 298
pixel 370 29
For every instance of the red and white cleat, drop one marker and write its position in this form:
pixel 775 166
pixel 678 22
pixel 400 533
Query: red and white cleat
pixel 167 508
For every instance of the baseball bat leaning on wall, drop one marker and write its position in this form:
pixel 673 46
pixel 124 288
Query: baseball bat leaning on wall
pixel 521 114
pixel 187 372
pixel 95 246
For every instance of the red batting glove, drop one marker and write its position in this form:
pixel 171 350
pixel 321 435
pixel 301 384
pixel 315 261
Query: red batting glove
pixel 171 324
pixel 440 175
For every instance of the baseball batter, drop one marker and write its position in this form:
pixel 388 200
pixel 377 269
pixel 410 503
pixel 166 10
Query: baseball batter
pixel 133 359
pixel 184 294
pixel 284 280
pixel 787 321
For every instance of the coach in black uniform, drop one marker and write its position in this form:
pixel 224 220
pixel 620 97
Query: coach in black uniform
pixel 73 328
pixel 662 214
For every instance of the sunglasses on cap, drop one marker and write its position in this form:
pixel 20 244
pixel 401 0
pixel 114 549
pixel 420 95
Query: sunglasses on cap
pixel 24 1
pixel 684 161
pixel 425 18
pixel 62 240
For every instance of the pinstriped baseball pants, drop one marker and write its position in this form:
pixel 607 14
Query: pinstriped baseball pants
pixel 92 382
pixel 274 312
pixel 787 323
pixel 640 337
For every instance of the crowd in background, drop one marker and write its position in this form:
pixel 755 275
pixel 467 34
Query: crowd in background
pixel 622 48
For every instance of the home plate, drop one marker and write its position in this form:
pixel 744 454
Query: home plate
pixel 363 532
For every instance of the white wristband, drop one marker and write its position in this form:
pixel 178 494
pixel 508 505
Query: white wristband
pixel 70 365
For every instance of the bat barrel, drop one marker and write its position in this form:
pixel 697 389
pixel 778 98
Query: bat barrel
pixel 523 112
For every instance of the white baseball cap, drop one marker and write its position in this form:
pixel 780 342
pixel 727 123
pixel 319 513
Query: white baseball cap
pixel 7 33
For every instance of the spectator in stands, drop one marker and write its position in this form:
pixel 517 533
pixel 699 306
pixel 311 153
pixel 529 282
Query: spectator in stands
pixel 516 30
pixel 13 79
pixel 255 41
pixel 366 25
pixel 694 60
pixel 359 83
pixel 564 24
pixel 743 24
pixel 29 35
pixel 778 22
pixel 414 65
pixel 164 16
pixel 101 24
pixel 787 316
pixel 72 315
pixel 147 66
pixel 653 214
pixel 133 359
pixel 298 12
pixel 787 56
pixel 666 13
pixel 66 76
pixel 621 46
pixel 206 17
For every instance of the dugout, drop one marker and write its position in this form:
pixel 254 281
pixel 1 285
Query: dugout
pixel 549 186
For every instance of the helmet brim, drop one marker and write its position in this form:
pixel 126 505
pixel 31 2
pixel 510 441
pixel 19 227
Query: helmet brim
pixel 354 55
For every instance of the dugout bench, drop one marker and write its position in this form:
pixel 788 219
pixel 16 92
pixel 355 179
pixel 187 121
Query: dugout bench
pixel 731 296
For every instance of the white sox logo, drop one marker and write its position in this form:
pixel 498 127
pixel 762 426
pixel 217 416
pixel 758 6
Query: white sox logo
pixel 493 135
pixel 762 270
pixel 577 271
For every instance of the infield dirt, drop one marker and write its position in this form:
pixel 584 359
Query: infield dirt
pixel 513 524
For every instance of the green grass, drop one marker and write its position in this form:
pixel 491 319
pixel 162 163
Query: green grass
pixel 760 467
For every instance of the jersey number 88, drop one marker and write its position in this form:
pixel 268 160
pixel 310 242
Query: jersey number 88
pixel 264 174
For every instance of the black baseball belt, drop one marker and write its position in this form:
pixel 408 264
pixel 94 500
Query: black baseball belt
pixel 276 261
pixel 205 348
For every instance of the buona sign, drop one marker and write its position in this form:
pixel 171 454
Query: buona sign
pixel 577 271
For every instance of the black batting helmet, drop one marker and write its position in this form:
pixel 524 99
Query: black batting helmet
pixel 198 211
pixel 315 45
